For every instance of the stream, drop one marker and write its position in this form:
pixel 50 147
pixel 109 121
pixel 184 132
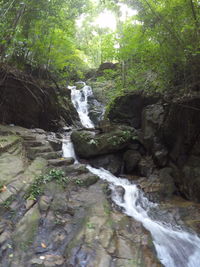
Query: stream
pixel 175 246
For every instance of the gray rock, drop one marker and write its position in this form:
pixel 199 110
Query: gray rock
pixel 61 162
pixel 120 191
pixel 87 144
pixel 111 162
pixel 131 160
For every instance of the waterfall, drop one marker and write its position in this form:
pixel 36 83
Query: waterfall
pixel 175 247
pixel 80 102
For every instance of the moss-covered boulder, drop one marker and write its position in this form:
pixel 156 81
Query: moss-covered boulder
pixel 88 144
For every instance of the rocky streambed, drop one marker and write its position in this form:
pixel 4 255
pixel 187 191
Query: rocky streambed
pixel 68 220
pixel 57 213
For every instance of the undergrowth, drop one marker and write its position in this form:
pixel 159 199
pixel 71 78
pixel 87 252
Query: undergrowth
pixel 37 188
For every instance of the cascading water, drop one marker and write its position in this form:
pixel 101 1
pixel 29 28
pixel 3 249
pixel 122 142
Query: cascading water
pixel 80 102
pixel 68 148
pixel 175 247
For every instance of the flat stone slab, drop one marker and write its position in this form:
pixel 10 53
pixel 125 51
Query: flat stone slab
pixel 60 162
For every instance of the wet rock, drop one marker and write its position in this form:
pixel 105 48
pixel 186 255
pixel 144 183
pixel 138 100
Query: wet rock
pixel 159 187
pixel 112 162
pixel 131 160
pixel 120 191
pixel 87 144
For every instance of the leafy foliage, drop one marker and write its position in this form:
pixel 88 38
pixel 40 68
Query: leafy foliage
pixel 159 47
pixel 36 188
pixel 40 34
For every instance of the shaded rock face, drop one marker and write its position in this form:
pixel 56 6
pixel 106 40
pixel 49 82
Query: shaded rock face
pixel 169 133
pixel 110 162
pixel 24 102
pixel 159 186
pixel 96 110
pixel 128 109
pixel 131 160
pixel 180 130
pixel 152 121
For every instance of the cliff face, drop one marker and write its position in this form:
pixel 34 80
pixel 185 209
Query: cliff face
pixel 169 131
pixel 26 102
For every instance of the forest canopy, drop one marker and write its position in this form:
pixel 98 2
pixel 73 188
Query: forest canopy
pixel 156 43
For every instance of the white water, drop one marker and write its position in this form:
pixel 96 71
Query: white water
pixel 68 148
pixel 80 102
pixel 175 248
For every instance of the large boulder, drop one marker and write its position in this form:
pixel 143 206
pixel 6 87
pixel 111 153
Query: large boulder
pixel 127 109
pixel 88 144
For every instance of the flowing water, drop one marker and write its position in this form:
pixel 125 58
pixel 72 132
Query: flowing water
pixel 80 102
pixel 175 247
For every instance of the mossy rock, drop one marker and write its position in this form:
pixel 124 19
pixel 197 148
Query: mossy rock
pixel 87 144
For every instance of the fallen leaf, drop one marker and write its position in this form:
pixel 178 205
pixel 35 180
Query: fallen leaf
pixel 3 189
pixel 43 245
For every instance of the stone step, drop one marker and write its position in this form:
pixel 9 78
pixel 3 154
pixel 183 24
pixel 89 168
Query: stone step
pixel 24 180
pixel 33 152
pixel 50 155
pixel 28 137
pixel 61 162
pixel 35 143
